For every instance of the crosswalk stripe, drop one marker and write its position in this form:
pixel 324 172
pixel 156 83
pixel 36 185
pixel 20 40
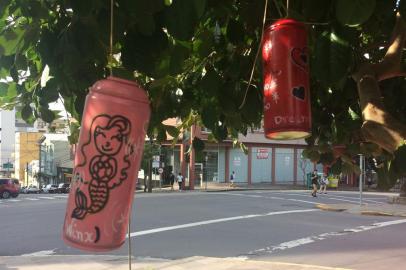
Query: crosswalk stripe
pixel 61 196
pixel 47 198
pixel 13 200
pixel 32 199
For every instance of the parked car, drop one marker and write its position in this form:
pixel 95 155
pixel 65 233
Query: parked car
pixel 41 189
pixel 50 188
pixel 63 188
pixel 9 187
pixel 22 189
pixel 31 189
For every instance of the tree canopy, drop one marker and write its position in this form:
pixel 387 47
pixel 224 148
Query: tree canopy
pixel 195 57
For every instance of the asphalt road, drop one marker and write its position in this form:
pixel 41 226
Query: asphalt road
pixel 265 225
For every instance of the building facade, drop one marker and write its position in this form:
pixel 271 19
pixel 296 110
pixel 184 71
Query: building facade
pixel 266 161
pixel 26 150
pixel 55 161
pixel 7 142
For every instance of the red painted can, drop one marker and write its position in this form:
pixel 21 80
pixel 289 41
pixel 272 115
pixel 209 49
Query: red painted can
pixel 107 160
pixel 286 81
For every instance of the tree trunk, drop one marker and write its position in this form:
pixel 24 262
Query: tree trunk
pixel 402 187
pixel 145 182
pixel 150 176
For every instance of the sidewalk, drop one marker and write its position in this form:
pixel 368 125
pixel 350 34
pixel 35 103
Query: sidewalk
pixel 101 262
pixel 398 210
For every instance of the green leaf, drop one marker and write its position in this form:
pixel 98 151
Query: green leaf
pixel 74 133
pixel 354 12
pixel 26 112
pixel 252 109
pixel 10 40
pixel 47 115
pixel 145 24
pixel 211 82
pixel 200 6
pixel 12 90
pixel 3 89
pixel 235 32
pixel 161 136
pixel 181 19
pixel 400 160
pixel 316 10
pixel 178 56
pixel 336 167
pixel 198 144
pixel 203 45
pixel 209 116
pixel 402 8
pixel 327 158
pixel 220 132
pixel 172 131
pixel 141 52
pixel 354 115
pixel 332 58
pixel 82 7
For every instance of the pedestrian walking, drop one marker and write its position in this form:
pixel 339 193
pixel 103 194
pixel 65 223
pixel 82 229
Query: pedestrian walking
pixel 369 179
pixel 323 184
pixel 314 183
pixel 232 178
pixel 171 179
pixel 180 180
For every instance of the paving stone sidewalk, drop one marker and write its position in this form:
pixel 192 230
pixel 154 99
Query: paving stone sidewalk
pixel 100 262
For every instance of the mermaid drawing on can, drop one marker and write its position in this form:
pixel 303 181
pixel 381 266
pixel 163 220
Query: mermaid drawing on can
pixel 109 137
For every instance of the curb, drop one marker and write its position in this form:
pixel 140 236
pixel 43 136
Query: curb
pixel 376 213
pixel 327 207
pixel 357 210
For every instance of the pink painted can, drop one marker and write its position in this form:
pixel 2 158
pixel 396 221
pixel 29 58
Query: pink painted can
pixel 107 161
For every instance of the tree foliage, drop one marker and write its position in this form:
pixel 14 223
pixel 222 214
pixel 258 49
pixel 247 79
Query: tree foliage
pixel 194 58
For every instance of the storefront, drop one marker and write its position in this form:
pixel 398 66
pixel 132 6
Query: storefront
pixel 64 174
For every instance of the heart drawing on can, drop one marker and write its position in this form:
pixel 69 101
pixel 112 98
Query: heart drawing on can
pixel 300 57
pixel 299 92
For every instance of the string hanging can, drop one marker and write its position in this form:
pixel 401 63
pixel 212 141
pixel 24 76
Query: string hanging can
pixel 107 161
pixel 285 58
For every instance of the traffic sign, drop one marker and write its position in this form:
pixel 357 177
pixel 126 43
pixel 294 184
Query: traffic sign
pixel 155 164
pixel 160 170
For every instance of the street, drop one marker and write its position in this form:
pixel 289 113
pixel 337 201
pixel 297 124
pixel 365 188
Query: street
pixel 283 226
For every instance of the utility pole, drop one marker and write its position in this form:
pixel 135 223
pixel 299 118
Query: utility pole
pixel 150 170
pixel 39 167
pixel 361 177
pixel 26 172
pixel 39 143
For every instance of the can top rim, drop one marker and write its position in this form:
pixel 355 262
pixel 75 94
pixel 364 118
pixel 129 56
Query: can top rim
pixel 284 21
pixel 140 96
pixel 117 79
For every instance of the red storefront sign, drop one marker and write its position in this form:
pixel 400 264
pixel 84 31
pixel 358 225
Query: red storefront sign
pixel 262 153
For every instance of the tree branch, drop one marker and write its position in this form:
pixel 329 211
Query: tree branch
pixel 379 126
pixel 390 66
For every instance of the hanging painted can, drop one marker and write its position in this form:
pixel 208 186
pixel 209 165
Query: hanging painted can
pixel 285 56
pixel 107 160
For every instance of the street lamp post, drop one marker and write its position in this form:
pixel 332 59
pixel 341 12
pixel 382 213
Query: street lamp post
pixel 206 158
pixel 361 177
pixel 39 143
